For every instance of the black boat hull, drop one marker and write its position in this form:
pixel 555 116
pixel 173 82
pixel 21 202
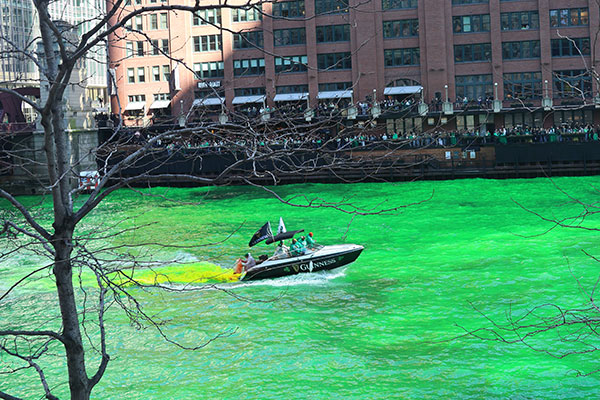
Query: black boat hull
pixel 300 265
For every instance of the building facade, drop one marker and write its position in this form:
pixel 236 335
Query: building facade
pixel 19 44
pixel 475 64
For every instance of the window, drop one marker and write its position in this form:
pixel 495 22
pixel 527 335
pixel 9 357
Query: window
pixel 138 23
pixel 518 50
pixel 207 43
pixel 210 93
pixel 519 119
pixel 210 16
pixel 141 72
pixel 156 73
pixel 136 97
pixel 249 91
pixel 398 4
pixel 401 57
pixel 248 40
pixel 523 85
pixel 291 89
pixel 522 20
pixel 164 46
pixel 569 17
pixel 290 64
pixel 154 45
pixel 572 83
pixel 288 37
pixel 334 61
pixel 334 86
pixel 472 52
pixel 130 75
pixel 583 117
pixel 206 70
pixel 333 33
pixel 471 23
pixel 129 49
pixel 474 87
pixel 461 2
pixel 567 47
pixel 400 28
pixel 246 14
pixel 166 73
pixel 253 66
pixel 139 45
pixel 161 96
pixel 163 20
pixel 289 9
pixel 153 21
pixel 331 6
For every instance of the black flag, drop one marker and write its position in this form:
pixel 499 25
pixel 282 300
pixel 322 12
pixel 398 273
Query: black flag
pixel 261 234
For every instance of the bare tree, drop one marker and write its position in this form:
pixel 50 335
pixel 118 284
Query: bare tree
pixel 258 154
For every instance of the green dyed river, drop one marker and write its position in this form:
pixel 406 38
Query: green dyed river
pixel 387 326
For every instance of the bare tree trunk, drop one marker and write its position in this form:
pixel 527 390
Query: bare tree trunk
pixel 78 379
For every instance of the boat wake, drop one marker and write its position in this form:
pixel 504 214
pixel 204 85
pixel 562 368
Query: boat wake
pixel 313 279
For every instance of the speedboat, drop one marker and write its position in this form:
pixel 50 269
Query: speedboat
pixel 283 262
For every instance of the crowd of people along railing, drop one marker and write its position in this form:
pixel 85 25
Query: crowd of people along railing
pixel 227 140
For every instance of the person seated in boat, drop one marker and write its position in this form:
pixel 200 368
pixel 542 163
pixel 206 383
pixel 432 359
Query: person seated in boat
pixel 310 242
pixel 281 251
pixel 303 240
pixel 249 262
pixel 297 248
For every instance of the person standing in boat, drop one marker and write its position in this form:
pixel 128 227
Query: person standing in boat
pixel 297 248
pixel 249 262
pixel 310 242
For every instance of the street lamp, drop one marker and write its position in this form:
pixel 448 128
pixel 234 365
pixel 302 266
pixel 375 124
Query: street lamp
pixel 308 113
pixel 266 114
pixel 181 116
pixel 375 109
pixel 546 101
pixel 422 108
pixel 497 103
pixel 447 107
pixel 223 118
pixel 352 111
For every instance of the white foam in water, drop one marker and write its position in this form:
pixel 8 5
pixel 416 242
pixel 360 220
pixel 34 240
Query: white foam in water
pixel 314 278
pixel 183 257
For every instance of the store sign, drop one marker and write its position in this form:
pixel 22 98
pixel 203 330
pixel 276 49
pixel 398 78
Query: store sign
pixel 211 84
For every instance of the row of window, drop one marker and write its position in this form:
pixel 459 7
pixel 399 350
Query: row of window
pixel 256 66
pixel 522 20
pixel 281 37
pixel 158 73
pixel 525 85
pixel 564 47
pixel 521 85
pixel 137 49
pixel 391 29
pixel 296 9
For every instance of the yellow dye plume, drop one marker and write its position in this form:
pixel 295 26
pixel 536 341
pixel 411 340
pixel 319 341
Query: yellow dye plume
pixel 193 273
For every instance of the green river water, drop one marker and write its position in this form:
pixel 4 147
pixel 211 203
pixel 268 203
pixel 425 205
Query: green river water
pixel 380 328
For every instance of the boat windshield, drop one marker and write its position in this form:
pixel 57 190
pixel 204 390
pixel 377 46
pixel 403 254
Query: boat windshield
pixel 282 251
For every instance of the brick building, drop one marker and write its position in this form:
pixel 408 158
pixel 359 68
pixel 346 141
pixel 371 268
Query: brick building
pixel 456 56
